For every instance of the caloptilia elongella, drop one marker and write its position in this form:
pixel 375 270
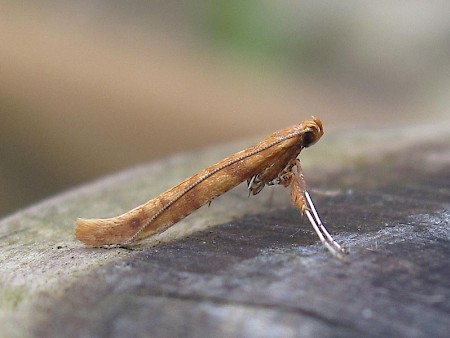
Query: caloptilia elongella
pixel 268 162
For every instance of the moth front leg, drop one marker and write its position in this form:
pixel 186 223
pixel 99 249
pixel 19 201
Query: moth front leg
pixel 302 200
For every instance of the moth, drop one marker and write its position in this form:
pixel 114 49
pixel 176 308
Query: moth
pixel 272 161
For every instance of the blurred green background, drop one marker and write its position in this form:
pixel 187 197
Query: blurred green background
pixel 91 87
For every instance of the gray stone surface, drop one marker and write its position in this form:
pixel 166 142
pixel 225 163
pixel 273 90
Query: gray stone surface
pixel 260 271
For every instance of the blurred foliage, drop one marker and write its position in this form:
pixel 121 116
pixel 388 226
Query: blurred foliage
pixel 266 30
pixel 90 87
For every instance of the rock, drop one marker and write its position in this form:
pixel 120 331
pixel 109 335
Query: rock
pixel 248 266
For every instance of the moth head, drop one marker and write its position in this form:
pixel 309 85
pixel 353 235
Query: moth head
pixel 313 131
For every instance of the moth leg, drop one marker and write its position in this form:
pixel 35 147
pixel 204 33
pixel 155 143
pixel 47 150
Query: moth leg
pixel 302 200
pixel 325 237
pixel 284 176
pixel 257 182
pixel 255 185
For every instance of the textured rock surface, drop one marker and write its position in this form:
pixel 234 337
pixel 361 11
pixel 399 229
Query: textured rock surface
pixel 260 271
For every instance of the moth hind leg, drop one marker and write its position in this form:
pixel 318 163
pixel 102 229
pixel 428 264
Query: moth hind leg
pixel 255 185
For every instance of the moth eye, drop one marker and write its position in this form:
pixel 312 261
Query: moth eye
pixel 308 138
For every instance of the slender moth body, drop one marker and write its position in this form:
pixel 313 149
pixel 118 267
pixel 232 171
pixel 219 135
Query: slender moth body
pixel 269 162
